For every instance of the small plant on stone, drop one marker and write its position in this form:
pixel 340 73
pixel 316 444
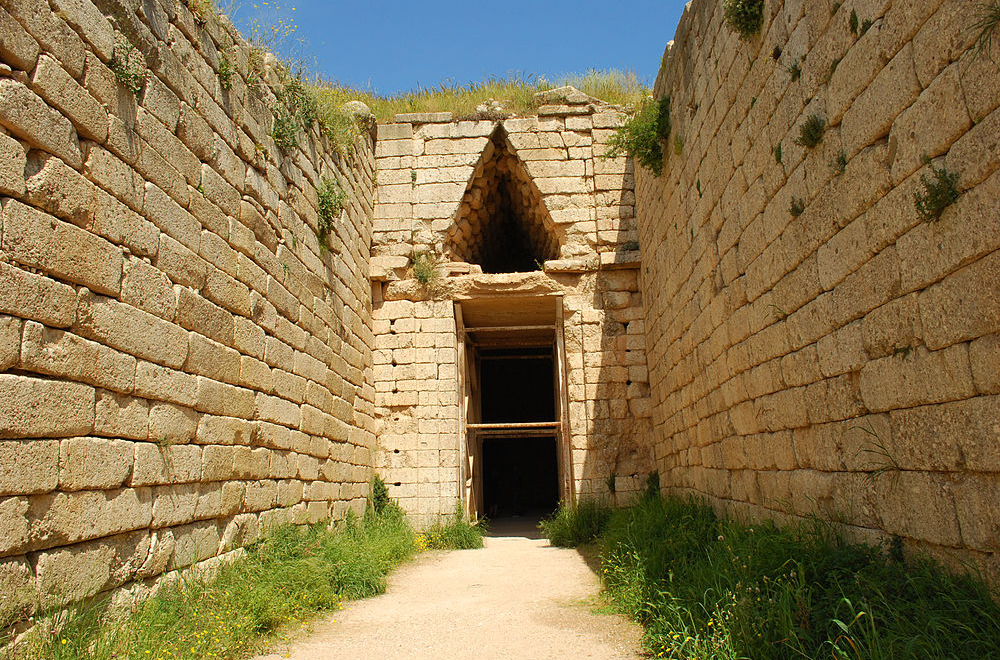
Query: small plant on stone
pixel 297 109
pixel 987 24
pixel 853 22
pixel 413 178
pixel 642 136
pixel 777 154
pixel 202 10
pixel 330 202
pixel 379 500
pixel 940 191
pixel 225 71
pixel 866 25
pixel 630 246
pixel 811 132
pixel 128 66
pixel 839 163
pixel 424 267
pixel 794 70
pixel 678 144
pixel 255 67
pixel 609 481
pixel 797 207
pixel 745 17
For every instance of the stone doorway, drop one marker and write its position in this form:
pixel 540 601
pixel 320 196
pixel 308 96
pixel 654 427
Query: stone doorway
pixel 512 385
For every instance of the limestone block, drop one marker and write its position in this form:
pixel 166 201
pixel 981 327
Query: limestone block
pixel 180 264
pixel 197 314
pixel 984 354
pixel 58 88
pixel 130 330
pixel 65 355
pixel 934 520
pixel 94 463
pixel 964 305
pixel 63 518
pixel 920 377
pixel 248 337
pixel 30 466
pixel 60 190
pixel 215 430
pixel 35 297
pixel 121 416
pixel 12 163
pixel 16 46
pixel 153 381
pixel 147 288
pixel 170 423
pixel 221 399
pixel 160 463
pixel 240 531
pixel 71 574
pixel 10 341
pixel 39 240
pixel 212 359
pixel 890 93
pixel 260 495
pixel 174 505
pixel 27 116
pixel 120 224
pixel 217 463
pixel 423 118
pixel 114 176
pixel 929 126
pixel 193 543
pixel 31 407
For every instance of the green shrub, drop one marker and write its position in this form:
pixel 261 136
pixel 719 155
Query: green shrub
pixel 939 193
pixel 378 500
pixel 987 24
pixel 797 207
pixel 745 17
pixel 424 266
pixel 226 72
pixel 297 110
pixel 643 134
pixel 455 534
pixel 128 66
pixel 571 526
pixel 330 198
pixel 811 131
pixel 708 588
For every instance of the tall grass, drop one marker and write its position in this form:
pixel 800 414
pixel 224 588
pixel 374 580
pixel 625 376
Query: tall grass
pixel 286 579
pixel 455 533
pixel 706 587
pixel 571 526
pixel 516 92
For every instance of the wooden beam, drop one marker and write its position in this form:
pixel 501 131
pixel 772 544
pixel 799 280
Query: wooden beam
pixel 515 425
pixel 509 328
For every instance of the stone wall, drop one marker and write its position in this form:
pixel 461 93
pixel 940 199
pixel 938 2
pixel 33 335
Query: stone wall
pixel 181 364
pixel 841 357
pixel 433 198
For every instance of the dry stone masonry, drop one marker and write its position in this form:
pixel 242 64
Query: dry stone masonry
pixel 184 364
pixel 840 358
pixel 181 366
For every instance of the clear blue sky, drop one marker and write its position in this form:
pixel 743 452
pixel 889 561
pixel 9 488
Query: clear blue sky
pixel 394 46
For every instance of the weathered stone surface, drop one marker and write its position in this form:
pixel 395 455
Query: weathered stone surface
pixel 12 164
pixel 170 423
pixel 94 463
pixel 65 355
pixel 163 463
pixel 121 416
pixel 30 466
pixel 57 87
pixel 27 116
pixel 130 330
pixel 36 408
pixel 38 240
pixel 16 45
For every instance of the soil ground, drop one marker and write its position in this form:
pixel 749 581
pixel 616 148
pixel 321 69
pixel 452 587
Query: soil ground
pixel 518 597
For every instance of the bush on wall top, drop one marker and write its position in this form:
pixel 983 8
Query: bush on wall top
pixel 744 16
pixel 643 135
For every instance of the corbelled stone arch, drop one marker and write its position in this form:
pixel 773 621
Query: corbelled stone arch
pixel 502 223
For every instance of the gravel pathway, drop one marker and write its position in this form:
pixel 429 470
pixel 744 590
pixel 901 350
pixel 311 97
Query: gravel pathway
pixel 516 598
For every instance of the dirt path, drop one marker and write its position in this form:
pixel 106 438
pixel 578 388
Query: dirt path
pixel 516 598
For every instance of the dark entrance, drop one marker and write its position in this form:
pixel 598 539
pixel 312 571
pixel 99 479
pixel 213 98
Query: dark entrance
pixel 520 477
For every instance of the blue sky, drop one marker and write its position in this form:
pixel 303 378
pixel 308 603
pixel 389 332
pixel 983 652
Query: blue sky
pixel 395 46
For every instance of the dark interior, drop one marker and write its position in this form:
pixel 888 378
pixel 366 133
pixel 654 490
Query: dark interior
pixel 520 477
pixel 518 385
pixel 507 247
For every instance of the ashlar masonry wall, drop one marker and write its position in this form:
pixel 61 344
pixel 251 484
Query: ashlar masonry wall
pixel 430 170
pixel 181 365
pixel 816 346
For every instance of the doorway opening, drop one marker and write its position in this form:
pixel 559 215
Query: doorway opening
pixel 516 460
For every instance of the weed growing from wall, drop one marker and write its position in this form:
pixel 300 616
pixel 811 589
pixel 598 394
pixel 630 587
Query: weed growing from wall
pixel 678 144
pixel 987 24
pixel 202 10
pixel 797 207
pixel 128 66
pixel 424 267
pixel 330 202
pixel 745 17
pixel 226 71
pixel 642 136
pixel 853 22
pixel 777 154
pixel 811 132
pixel 940 191
pixel 794 70
pixel 297 109
pixel 339 126
pixel 839 163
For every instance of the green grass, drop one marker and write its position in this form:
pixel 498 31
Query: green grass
pixel 940 191
pixel 745 17
pixel 516 92
pixel 456 533
pixel 571 526
pixel 706 587
pixel 281 582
